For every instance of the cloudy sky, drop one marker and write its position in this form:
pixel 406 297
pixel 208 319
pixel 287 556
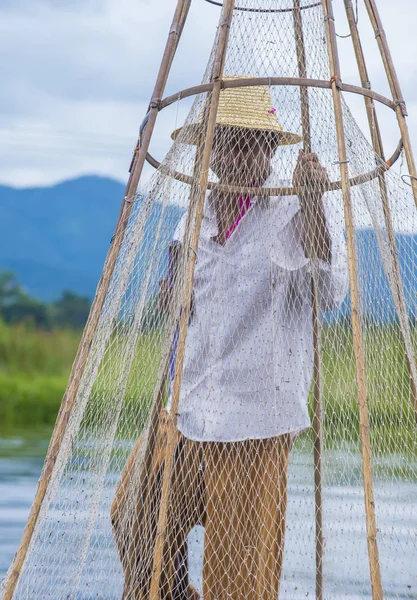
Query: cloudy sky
pixel 77 76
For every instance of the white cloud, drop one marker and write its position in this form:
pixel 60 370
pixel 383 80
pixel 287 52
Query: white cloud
pixel 78 76
pixel 77 83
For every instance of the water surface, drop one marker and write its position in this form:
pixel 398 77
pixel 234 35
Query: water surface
pixel 346 565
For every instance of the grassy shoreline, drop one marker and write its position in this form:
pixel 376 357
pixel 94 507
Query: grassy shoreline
pixel 34 369
pixel 35 365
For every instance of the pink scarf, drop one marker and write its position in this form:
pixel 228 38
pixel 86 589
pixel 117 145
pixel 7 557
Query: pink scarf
pixel 244 204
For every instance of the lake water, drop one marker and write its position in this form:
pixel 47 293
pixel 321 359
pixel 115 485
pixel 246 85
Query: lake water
pixel 346 566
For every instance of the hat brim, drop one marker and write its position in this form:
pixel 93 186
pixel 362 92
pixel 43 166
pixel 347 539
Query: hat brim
pixel 191 134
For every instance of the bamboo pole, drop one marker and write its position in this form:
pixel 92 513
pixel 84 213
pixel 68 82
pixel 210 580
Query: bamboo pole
pixel 401 110
pixel 302 74
pixel 318 493
pixel 394 277
pixel 143 492
pixel 317 446
pixel 363 73
pixel 142 495
pixel 185 315
pixel 177 25
pixel 371 529
pixel 157 405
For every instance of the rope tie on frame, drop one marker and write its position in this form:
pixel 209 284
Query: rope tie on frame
pixel 410 176
pixel 152 104
pixel 195 252
pixel 227 22
pixel 156 103
pixel 337 80
pixel 401 103
pixel 349 4
pixel 136 198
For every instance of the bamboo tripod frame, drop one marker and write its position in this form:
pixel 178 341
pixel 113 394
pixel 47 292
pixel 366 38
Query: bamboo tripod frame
pixel 200 184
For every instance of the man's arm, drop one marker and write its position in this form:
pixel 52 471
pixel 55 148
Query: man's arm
pixel 167 284
pixel 311 179
pixel 321 239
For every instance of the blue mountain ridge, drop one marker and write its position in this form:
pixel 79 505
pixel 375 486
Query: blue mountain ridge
pixel 375 294
pixel 57 237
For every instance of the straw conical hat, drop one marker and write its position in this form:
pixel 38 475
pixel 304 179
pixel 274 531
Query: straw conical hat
pixel 243 108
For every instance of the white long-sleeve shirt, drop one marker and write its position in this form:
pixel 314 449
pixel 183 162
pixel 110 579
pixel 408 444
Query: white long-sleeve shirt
pixel 249 350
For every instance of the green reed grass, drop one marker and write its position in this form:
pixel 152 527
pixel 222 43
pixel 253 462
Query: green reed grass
pixel 391 414
pixel 34 367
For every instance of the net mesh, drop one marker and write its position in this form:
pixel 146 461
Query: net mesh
pixel 244 477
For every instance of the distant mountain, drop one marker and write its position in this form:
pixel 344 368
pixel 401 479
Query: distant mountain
pixel 57 237
pixel 375 295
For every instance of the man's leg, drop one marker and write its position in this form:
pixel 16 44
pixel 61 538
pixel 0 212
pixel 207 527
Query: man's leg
pixel 271 505
pixel 186 509
pixel 136 549
pixel 246 493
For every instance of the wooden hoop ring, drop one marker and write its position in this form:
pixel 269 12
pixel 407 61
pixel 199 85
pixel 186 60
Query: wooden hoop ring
pixel 266 10
pixel 280 191
pixel 279 81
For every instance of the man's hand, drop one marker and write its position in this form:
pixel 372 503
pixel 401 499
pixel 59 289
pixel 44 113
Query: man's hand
pixel 310 177
pixel 311 180
pixel 166 285
pixel 164 296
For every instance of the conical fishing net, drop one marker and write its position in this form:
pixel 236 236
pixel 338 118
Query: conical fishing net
pixel 275 479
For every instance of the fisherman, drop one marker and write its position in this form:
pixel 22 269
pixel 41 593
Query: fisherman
pixel 248 359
